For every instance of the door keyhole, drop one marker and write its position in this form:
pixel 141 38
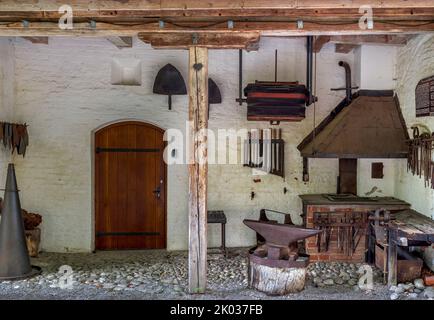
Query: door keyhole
pixel 157 192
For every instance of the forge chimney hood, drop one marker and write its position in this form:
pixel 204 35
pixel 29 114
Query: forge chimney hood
pixel 369 125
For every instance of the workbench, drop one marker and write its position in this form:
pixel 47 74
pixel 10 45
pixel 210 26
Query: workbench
pixel 410 228
pixel 336 205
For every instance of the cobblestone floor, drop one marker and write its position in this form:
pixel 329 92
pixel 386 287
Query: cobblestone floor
pixel 160 274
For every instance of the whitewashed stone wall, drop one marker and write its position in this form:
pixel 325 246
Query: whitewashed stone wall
pixel 7 94
pixel 415 62
pixel 63 92
pixel 375 68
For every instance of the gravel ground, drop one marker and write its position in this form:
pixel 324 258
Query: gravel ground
pixel 160 274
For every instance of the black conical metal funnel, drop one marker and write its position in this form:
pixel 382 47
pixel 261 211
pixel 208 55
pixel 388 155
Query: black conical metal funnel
pixel 14 257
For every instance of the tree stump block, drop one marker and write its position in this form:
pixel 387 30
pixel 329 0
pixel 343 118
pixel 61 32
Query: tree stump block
pixel 276 281
pixel 33 238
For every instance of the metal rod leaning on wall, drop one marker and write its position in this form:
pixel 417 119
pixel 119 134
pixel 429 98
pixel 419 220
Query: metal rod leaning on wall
pixel 309 68
pixel 240 99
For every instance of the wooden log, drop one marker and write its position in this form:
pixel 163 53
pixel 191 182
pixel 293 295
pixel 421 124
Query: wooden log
pixel 198 168
pixel 33 238
pixel 276 281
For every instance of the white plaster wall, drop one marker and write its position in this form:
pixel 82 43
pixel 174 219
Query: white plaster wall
pixel 368 187
pixel 63 92
pixel 7 94
pixel 375 69
pixel 414 62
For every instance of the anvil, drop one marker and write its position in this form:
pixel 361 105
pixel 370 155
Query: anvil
pixel 280 239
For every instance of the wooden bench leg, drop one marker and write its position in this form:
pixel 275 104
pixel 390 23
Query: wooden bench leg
pixel 392 265
pixel 224 238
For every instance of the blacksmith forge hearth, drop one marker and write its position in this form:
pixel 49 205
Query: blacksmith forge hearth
pixel 367 124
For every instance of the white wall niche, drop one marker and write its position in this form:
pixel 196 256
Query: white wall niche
pixel 126 72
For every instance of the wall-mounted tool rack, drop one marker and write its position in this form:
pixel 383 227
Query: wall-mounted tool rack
pixel 14 136
pixel 264 150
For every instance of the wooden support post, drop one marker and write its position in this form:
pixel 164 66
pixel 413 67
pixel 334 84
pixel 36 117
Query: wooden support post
pixel 198 168
pixel 392 263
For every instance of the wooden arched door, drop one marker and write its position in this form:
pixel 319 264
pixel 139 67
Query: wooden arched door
pixel 130 187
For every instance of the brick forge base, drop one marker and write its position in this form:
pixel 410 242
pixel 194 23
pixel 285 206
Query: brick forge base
pixel 333 253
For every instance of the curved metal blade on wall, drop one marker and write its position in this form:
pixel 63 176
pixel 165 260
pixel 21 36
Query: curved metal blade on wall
pixel 169 81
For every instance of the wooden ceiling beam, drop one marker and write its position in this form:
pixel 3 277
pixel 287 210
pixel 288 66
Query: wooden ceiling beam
pixel 327 9
pixel 345 47
pixel 320 42
pixel 374 39
pixel 121 42
pixel 40 29
pixel 239 40
pixel 348 40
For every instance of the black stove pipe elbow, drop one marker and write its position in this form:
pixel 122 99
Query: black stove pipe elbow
pixel 347 68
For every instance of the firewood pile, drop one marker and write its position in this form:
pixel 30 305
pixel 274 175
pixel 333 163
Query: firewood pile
pixel 31 220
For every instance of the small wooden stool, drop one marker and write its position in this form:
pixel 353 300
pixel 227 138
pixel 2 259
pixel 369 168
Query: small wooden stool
pixel 218 216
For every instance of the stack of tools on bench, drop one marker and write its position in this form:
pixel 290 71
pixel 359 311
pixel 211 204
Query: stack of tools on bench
pixel 393 236
pixel 14 136
pixel 276 101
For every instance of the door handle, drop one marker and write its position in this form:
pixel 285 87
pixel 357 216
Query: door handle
pixel 157 191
